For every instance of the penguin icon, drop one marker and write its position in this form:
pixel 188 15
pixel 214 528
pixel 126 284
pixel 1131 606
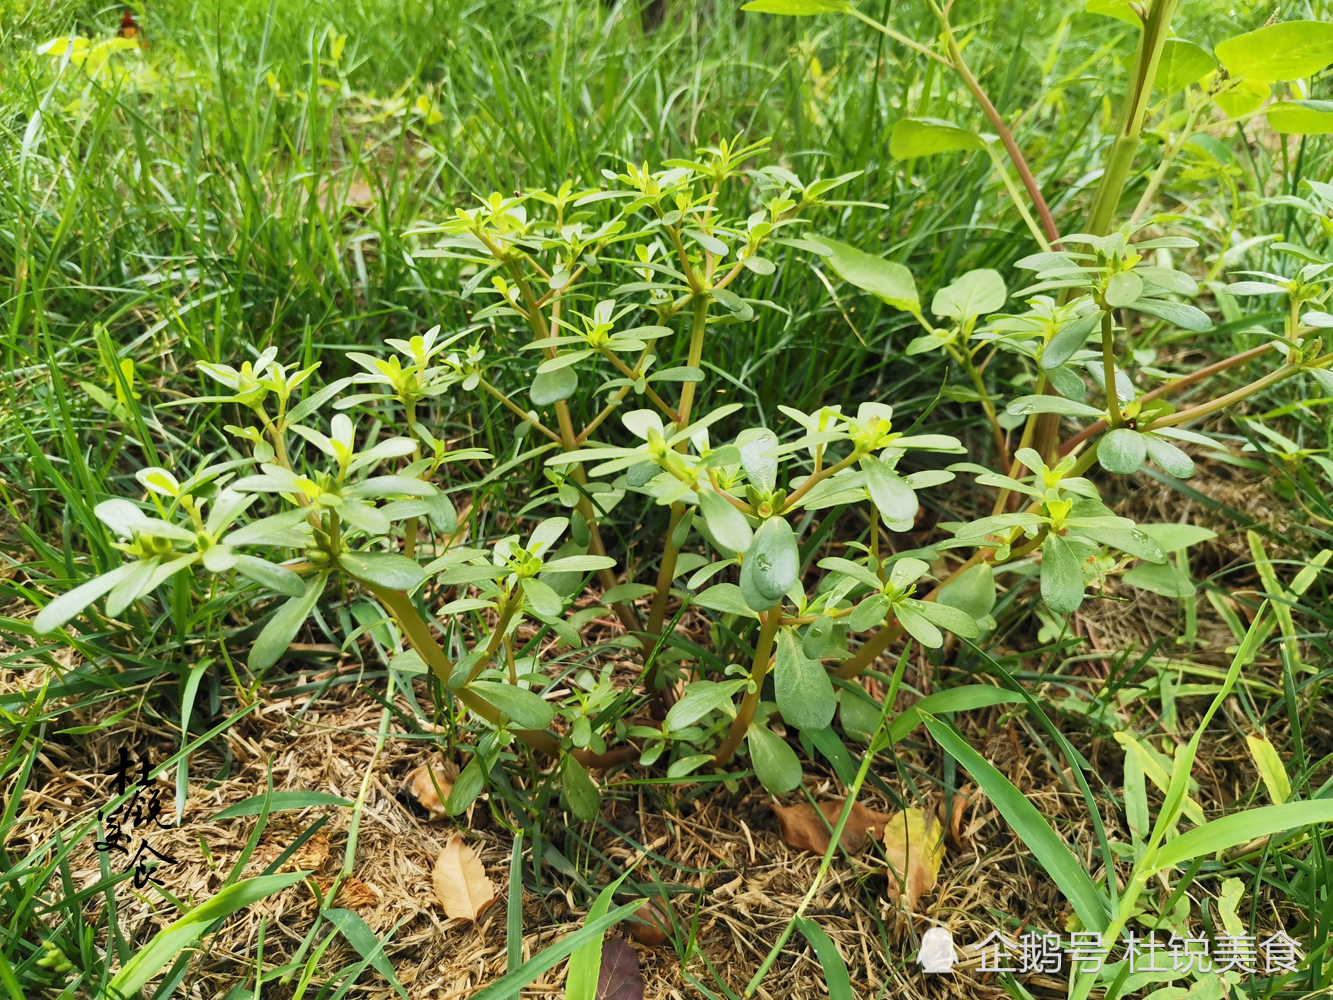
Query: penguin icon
pixel 936 954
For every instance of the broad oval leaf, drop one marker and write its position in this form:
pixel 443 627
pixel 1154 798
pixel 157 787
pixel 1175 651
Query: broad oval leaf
pixel 895 499
pixel 274 577
pixel 1291 50
pixel 974 294
pixel 818 635
pixel 552 387
pixel 527 709
pixel 775 763
pixel 700 698
pixel 1168 457
pixel 1122 451
pixel 802 686
pixel 543 599
pixel 1069 339
pixel 1061 576
pixel 1185 316
pixel 727 524
pixel 383 569
pixel 1183 62
pixel 760 468
pixel 891 282
pixel 1123 288
pixel 1301 117
pixel 772 562
pixel 1024 405
pixel 724 597
pixel 869 613
pixel 913 137
pixel 1241 97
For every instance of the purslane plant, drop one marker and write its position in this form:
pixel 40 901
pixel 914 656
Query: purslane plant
pixel 366 506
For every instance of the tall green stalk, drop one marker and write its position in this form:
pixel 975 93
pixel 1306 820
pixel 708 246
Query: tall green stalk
pixel 1156 28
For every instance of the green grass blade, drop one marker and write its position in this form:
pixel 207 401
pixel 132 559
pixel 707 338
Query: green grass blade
pixel 514 918
pixel 511 983
pixel 182 933
pixel 1044 843
pixel 1242 828
pixel 279 801
pixel 835 969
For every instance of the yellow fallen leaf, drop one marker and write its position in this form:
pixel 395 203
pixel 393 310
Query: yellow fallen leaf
pixel 915 849
pixel 460 880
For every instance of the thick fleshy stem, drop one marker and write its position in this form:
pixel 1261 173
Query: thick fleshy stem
pixel 763 653
pixel 1156 28
pixel 1096 427
pixel 419 637
pixel 667 571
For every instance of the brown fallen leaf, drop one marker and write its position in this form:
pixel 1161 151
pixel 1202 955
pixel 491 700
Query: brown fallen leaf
pixel 422 783
pixel 958 838
pixel 460 880
pixel 804 830
pixel 914 848
pixel 619 978
pixel 650 925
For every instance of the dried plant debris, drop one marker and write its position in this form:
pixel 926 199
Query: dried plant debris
pixel 428 788
pixel 803 829
pixel 460 880
pixel 619 977
pixel 914 845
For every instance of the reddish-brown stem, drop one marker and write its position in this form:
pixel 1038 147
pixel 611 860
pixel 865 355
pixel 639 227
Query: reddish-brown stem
pixel 763 652
pixel 1006 136
pixel 1192 378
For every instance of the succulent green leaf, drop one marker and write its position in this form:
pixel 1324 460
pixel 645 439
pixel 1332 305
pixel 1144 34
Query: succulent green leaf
pixel 775 763
pixel 727 524
pixel 283 626
pixel 383 569
pixel 1069 338
pixel 772 562
pixel 551 387
pixel 1122 451
pixel 1061 576
pixel 895 499
pixel 804 691
pixel 527 709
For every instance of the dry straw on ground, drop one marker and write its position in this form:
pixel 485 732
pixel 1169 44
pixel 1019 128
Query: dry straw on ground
pixel 721 853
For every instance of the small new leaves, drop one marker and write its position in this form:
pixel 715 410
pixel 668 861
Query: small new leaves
pixel 894 595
